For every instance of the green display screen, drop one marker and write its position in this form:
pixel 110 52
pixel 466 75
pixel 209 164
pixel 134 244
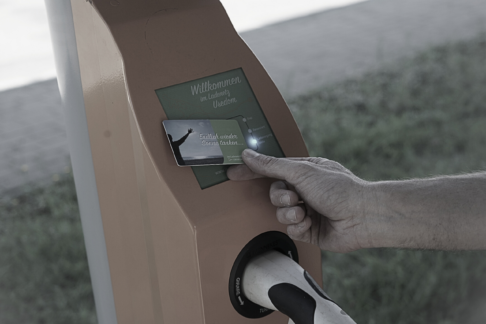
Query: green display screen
pixel 226 95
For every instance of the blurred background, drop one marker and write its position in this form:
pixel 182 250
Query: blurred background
pixel 391 89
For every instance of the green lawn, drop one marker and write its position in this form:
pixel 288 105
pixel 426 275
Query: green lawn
pixel 44 277
pixel 420 117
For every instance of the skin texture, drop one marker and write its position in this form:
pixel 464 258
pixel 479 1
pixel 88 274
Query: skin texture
pixel 324 203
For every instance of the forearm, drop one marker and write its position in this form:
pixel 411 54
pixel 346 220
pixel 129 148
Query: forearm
pixel 446 213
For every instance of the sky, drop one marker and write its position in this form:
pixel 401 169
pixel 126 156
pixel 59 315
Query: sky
pixel 26 52
pixel 192 146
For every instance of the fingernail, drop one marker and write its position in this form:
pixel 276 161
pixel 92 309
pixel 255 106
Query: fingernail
pixel 301 225
pixel 293 215
pixel 285 200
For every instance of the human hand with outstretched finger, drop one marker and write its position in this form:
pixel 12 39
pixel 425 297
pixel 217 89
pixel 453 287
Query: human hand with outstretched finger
pixel 323 203
pixel 319 200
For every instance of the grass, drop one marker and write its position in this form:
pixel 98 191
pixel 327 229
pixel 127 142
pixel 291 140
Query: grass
pixel 44 277
pixel 420 117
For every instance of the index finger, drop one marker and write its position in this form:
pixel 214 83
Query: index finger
pixel 241 173
pixel 260 165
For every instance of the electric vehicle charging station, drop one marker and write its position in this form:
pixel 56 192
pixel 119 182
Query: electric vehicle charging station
pixel 170 244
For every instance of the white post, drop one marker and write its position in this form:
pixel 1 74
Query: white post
pixel 61 25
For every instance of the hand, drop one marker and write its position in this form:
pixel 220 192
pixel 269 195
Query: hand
pixel 190 130
pixel 333 214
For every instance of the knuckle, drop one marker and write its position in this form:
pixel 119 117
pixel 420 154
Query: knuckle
pixel 317 160
pixel 336 166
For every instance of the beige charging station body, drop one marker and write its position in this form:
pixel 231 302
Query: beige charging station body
pixel 171 244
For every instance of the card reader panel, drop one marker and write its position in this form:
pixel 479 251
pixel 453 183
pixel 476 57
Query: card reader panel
pixel 226 95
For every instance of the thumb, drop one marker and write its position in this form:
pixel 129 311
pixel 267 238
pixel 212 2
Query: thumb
pixel 268 166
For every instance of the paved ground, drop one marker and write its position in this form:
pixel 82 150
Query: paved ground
pixel 299 54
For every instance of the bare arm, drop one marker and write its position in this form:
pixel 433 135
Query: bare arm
pixel 342 212
pixel 446 213
pixel 183 138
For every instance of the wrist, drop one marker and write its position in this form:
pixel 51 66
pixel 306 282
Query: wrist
pixel 386 222
pixel 367 209
pixel 403 217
